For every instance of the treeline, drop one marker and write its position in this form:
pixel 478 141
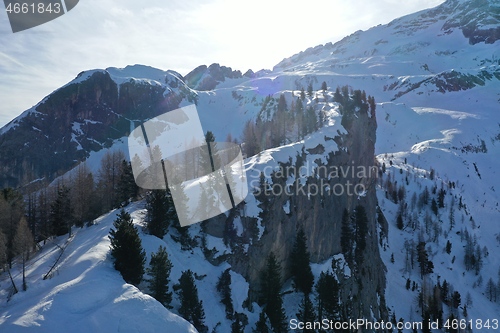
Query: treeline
pixel 280 122
pixel 74 201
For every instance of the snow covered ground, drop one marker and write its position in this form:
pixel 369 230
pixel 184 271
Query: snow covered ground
pixel 449 142
pixel 85 293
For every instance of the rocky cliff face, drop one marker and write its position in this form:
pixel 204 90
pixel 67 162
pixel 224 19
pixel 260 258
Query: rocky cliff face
pixel 83 116
pixel 205 78
pixel 320 216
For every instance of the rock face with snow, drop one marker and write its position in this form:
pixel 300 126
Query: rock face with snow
pixel 316 203
pixel 435 75
pixel 85 115
pixel 205 78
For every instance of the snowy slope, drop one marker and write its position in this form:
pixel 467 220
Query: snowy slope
pixel 86 294
pixel 448 142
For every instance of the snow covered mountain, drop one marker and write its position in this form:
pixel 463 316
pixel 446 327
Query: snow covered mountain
pixel 435 76
pixel 84 293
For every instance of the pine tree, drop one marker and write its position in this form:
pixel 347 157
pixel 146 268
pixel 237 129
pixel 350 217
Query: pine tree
pixel 42 215
pixel 127 187
pixel 306 313
pixel 191 307
pixel 209 161
pixel 251 146
pixel 434 206
pixel 491 290
pixel 337 97
pixel 469 299
pixel 61 212
pixel 346 237
pixel 469 257
pixel 448 247
pixel 399 222
pixel 431 174
pixel 451 328
pixel 159 271
pixel 126 249
pixel 11 211
pixel 361 223
pixel 302 94
pixel 371 102
pixel 456 300
pixel 478 263
pixel 278 135
pixel 3 250
pixel 445 289
pixel 441 194
pixel 324 86
pixel 328 296
pixel 452 215
pixel 302 275
pixel 299 118
pixel 271 295
pixel 310 89
pixel 31 209
pixel 236 326
pixel 426 319
pixel 157 218
pixel 426 266
pixel 224 289
pixel 261 324
pixel 310 123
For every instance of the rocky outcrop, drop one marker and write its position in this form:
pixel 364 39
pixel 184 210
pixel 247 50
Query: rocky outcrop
pixel 205 78
pixel 83 116
pixel 320 217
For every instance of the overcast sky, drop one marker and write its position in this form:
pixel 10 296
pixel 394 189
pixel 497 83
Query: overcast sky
pixel 174 34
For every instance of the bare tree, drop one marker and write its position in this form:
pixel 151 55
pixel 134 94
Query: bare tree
pixel 250 139
pixel 23 244
pixel 491 290
pixel 3 250
pixel 11 211
pixel 108 176
pixel 82 190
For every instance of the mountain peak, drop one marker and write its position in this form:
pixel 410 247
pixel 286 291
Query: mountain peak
pixel 205 78
pixel 479 20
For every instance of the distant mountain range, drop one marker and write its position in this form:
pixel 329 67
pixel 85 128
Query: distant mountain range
pixel 416 58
